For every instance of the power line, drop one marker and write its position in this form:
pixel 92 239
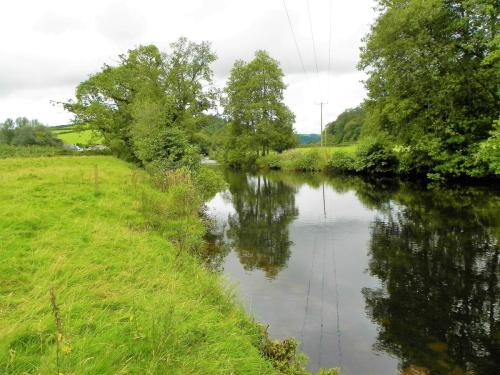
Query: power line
pixel 308 291
pixel 294 38
pixel 330 50
pixel 312 38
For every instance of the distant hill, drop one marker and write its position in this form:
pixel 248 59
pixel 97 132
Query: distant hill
pixel 305 139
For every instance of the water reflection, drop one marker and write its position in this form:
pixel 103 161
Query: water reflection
pixel 410 275
pixel 258 229
pixel 436 254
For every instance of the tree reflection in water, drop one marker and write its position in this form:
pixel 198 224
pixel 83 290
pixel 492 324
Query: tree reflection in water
pixel 258 230
pixel 435 252
pixel 437 255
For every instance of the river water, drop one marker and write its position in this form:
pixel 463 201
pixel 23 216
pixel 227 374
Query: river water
pixel 375 277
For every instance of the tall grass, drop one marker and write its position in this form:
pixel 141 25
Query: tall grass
pixel 126 303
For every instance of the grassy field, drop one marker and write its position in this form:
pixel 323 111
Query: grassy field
pixel 73 135
pixel 89 286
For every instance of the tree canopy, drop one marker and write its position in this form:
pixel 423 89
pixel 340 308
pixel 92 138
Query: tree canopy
pixel 152 104
pixel 259 121
pixel 434 72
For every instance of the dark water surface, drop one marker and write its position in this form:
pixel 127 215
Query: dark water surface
pixel 374 277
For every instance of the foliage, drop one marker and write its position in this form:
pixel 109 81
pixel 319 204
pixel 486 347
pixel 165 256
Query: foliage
pixel 259 121
pixel 211 135
pixel 433 82
pixel 122 288
pixel 24 132
pixel 489 151
pixel 305 159
pixel 150 106
pixel 10 151
pixel 313 160
pixel 375 156
pixel 284 356
pixel 342 161
pixel 347 127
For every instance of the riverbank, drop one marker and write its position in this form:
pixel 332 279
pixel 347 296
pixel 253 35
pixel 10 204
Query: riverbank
pixel 310 159
pixel 97 275
pixel 373 158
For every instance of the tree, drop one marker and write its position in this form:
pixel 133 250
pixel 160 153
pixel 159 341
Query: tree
pixel 433 80
pixel 347 126
pixel 25 132
pixel 151 104
pixel 259 121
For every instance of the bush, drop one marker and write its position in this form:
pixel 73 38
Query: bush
pixel 376 156
pixel 304 160
pixel 341 161
pixel 209 181
pixel 270 161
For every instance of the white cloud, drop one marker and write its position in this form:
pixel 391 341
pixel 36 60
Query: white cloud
pixel 49 47
pixel 121 23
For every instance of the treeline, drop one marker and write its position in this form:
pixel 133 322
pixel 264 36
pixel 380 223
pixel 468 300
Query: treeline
pixel 157 108
pixel 433 83
pixel 346 128
pixel 432 109
pixel 433 86
pixel 25 132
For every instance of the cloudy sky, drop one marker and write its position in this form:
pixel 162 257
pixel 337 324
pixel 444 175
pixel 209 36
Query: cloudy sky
pixel 48 47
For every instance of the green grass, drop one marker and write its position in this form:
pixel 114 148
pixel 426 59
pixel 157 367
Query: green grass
pixel 306 158
pixel 9 151
pixel 73 135
pixel 349 149
pixel 126 302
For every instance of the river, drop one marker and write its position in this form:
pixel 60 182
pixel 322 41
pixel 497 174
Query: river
pixel 375 277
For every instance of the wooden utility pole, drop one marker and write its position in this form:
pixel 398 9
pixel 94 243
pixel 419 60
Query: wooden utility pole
pixel 322 141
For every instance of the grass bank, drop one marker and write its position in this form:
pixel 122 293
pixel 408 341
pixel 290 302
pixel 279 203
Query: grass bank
pixel 92 283
pixel 311 159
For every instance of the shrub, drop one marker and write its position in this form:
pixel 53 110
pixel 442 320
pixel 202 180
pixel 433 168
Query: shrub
pixel 376 156
pixel 304 160
pixel 270 161
pixel 341 161
pixel 208 181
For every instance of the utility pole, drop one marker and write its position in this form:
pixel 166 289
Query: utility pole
pixel 322 141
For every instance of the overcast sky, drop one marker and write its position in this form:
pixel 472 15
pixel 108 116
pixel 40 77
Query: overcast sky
pixel 48 47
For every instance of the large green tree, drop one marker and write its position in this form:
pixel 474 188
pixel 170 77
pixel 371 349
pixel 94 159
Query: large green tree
pixel 150 106
pixel 433 81
pixel 259 121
